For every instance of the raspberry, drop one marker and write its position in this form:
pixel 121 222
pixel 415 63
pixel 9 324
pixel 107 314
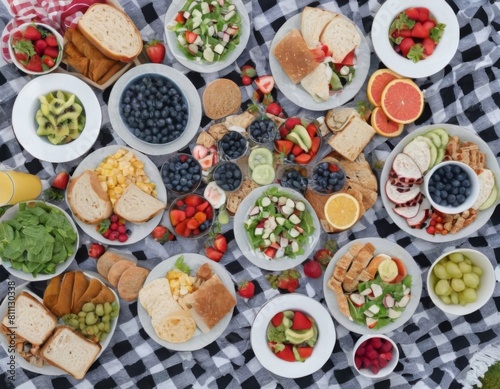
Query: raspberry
pixel 376 343
pixel 361 351
pixel 372 354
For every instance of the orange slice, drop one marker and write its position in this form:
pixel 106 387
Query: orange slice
pixel 377 83
pixel 341 211
pixel 402 101
pixel 385 126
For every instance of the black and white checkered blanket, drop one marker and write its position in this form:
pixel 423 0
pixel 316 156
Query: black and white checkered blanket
pixel 434 348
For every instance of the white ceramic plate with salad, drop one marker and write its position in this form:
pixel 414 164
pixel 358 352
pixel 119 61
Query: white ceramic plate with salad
pixel 483 216
pixel 306 220
pixel 49 369
pixel 322 349
pixel 183 84
pixel 139 231
pixel 200 65
pixel 444 51
pixel 382 246
pixel 10 214
pixel 297 94
pixel 199 339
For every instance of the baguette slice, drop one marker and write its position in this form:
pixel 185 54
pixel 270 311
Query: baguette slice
pixel 112 32
pixel 33 322
pixel 87 200
pixel 137 206
pixel 70 351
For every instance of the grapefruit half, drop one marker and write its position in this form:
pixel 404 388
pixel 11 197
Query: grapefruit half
pixel 402 101
pixel 385 126
pixel 377 83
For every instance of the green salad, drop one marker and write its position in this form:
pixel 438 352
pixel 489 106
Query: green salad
pixel 37 239
pixel 278 225
pixel 207 30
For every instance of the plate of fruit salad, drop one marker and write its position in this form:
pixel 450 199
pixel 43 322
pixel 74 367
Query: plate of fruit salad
pixel 206 36
pixel 415 38
pixel 276 228
pixel 408 165
pixel 293 335
pixel 372 286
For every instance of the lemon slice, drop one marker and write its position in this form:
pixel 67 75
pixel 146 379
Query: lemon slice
pixel 342 211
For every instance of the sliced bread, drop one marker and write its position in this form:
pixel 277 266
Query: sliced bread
pixel 221 98
pixel 351 141
pixel 314 21
pixel 137 206
pixel 341 37
pixel 87 200
pixel 111 31
pixel 70 351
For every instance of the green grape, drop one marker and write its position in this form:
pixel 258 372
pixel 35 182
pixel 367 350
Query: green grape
pixel 465 267
pixel 456 257
pixel 91 318
pixel 81 320
pixel 471 280
pixel 82 326
pixel 106 318
pixel 88 307
pixel 453 270
pixel 442 288
pixel 457 284
pixel 107 327
pixel 115 307
pixel 467 261
pixel 477 270
pixel 445 299
pixel 113 314
pixel 107 308
pixel 469 295
pixel 454 297
pixel 101 326
pixel 99 310
pixel 102 336
pixel 82 314
pixel 440 272
pixel 74 323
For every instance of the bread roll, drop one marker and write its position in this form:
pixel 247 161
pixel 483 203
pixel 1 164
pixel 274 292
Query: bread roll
pixel 131 282
pixel 221 98
pixel 117 270
pixel 175 328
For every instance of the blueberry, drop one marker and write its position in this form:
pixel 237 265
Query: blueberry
pixel 456 169
pixel 436 177
pixel 451 198
pixel 466 183
pixel 439 186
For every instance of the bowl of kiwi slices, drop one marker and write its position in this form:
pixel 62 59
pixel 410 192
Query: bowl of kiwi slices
pixel 56 117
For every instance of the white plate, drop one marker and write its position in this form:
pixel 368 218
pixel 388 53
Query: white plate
pixel 297 94
pixel 322 350
pixel 482 217
pixel 444 52
pixel 25 125
pixel 257 258
pixel 139 231
pixel 382 246
pixel 205 67
pixel 8 215
pixel 48 369
pixel 199 340
pixel 182 82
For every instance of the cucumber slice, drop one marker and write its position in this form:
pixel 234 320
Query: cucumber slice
pixel 263 174
pixel 443 135
pixel 433 149
pixel 260 156
pixel 440 155
pixel 435 138
pixel 492 198
pixel 335 82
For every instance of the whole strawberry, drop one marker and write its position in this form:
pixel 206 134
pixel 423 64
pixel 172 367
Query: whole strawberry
pixel 155 51
pixel 246 289
pixel 312 269
pixel 324 255
pixel 286 280
pixel 161 234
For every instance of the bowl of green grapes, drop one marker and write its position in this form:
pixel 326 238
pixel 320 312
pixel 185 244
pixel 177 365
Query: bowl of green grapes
pixel 461 281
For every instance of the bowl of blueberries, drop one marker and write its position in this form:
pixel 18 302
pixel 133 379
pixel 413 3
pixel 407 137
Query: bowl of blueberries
pixel 154 109
pixel 181 173
pixel 262 130
pixel 228 176
pixel 451 187
pixel 293 177
pixel 233 145
pixel 327 178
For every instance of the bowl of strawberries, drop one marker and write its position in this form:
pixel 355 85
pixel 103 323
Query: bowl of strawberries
pixel 35 48
pixel 191 216
pixel 375 356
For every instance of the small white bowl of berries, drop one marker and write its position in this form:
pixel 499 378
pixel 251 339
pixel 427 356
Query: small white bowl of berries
pixel 375 356
pixel 114 229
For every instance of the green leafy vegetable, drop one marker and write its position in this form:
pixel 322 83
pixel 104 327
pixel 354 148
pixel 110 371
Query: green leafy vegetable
pixel 181 265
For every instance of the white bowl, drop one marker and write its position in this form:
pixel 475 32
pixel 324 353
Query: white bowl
pixel 444 52
pixel 20 66
pixel 484 292
pixel 25 125
pixel 469 201
pixel 383 372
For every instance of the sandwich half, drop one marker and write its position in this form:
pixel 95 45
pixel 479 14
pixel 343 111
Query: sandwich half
pixel 137 206
pixel 341 37
pixel 317 83
pixel 314 21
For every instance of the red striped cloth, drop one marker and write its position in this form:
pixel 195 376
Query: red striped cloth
pixel 59 14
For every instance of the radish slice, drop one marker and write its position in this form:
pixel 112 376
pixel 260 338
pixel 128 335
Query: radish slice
pixel 398 197
pixel 406 169
pixel 421 216
pixel 407 212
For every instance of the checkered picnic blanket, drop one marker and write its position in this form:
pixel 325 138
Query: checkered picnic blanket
pixel 434 348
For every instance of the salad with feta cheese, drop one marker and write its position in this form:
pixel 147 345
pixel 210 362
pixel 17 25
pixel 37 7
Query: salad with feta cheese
pixel 278 225
pixel 207 30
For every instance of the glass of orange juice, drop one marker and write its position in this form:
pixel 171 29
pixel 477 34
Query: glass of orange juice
pixel 16 187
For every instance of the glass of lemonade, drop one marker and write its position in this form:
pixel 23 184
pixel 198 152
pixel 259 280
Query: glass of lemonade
pixel 16 187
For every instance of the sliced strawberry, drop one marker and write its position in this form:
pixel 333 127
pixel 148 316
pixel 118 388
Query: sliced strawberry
pixel 326 50
pixel 209 212
pixel 35 64
pixel 405 45
pixel 190 211
pixel 193 200
pixel 300 322
pixel 297 150
pixel 265 84
pixel 61 181
pixel 303 159
pixel 312 130
pixel 220 243
pixel 405 33
pixel 21 57
pixel 193 224
pixel 284 131
pixel 40 46
pixel 286 354
pixel 191 37
pixel 290 123
pixel 274 109
pixel 429 46
pixel 32 33
pixel 48 61
pixel 277 319
pixel 428 26
pixel 203 206
pixel 318 54
pixel 17 36
pixel 284 146
pixel 315 145
pixel 305 352
pixel 349 59
pixel 200 216
pixel 181 228
pixel 418 31
pixel 179 18
pixel 52 52
pixel 423 14
pixel 412 13
pixel 51 40
pixel 270 252
pixel 213 254
pixel 177 216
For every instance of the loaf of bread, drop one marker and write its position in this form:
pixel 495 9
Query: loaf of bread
pixel 111 31
pixel 221 98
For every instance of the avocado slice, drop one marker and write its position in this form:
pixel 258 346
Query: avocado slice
pixel 295 138
pixel 297 355
pixel 304 135
pixel 298 337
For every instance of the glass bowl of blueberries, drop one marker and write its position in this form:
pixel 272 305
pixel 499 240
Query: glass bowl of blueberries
pixel 233 145
pixel 451 187
pixel 327 178
pixel 181 173
pixel 293 177
pixel 262 131
pixel 154 109
pixel 228 176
